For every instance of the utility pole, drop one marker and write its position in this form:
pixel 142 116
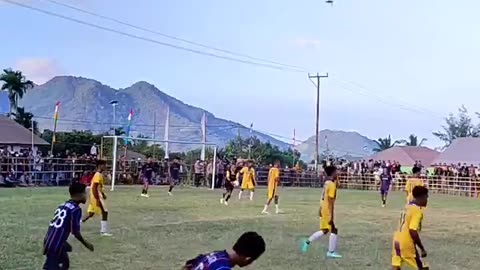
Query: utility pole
pixel 154 130
pixel 317 126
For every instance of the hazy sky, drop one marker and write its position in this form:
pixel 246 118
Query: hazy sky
pixel 396 67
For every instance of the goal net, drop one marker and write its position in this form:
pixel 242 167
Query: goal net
pixel 125 157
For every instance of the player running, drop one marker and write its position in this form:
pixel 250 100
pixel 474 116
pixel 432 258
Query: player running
pixel 412 182
pixel 97 204
pixel 385 181
pixel 248 180
pixel 248 248
pixel 406 238
pixel 147 172
pixel 174 174
pixel 230 183
pixel 273 180
pixel 326 214
pixel 66 221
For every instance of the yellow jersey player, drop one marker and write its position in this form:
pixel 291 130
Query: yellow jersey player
pixel 272 193
pixel 412 182
pixel 248 180
pixel 406 238
pixel 326 213
pixel 97 204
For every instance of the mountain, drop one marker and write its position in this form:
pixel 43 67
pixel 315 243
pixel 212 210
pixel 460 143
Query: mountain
pixel 346 144
pixel 85 106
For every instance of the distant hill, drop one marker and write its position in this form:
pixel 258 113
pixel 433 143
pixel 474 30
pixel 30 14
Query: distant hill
pixel 85 106
pixel 346 144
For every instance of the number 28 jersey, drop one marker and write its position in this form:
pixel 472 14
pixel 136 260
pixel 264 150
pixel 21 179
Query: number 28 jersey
pixel 66 220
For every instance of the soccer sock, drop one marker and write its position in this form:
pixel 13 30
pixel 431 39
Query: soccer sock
pixel 251 195
pixel 332 243
pixel 265 208
pixel 170 189
pixel 239 194
pixel 315 236
pixel 103 226
pixel 276 207
pixel 143 191
pixel 228 198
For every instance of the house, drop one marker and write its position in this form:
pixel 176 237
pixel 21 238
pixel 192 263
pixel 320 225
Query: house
pixel 14 137
pixel 462 150
pixel 407 155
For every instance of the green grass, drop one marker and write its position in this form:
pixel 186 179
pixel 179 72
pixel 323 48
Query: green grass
pixel 162 232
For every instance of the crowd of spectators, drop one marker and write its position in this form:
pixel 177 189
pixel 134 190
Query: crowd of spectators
pixel 26 168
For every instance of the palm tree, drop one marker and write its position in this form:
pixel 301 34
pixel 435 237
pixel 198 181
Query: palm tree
pixel 16 85
pixel 413 141
pixel 385 143
pixel 119 131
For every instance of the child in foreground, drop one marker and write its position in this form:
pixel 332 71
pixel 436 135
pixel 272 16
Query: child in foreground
pixel 66 221
pixel 249 247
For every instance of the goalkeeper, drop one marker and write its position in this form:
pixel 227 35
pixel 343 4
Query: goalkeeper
pixel 230 184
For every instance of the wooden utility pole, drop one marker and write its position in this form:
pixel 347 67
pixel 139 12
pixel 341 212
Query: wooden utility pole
pixel 317 118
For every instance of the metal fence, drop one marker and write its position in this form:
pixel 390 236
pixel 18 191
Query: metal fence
pixel 60 171
pixel 42 170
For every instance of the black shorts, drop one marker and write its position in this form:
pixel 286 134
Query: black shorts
pixel 58 260
pixel 174 180
pixel 228 185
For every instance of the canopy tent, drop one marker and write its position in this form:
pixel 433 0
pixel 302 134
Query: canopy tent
pixel 407 155
pixel 462 150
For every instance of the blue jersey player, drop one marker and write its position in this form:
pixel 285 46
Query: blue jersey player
pixel 249 247
pixel 66 221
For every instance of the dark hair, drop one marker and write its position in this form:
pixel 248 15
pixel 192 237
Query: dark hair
pixel 329 170
pixel 250 244
pixel 416 169
pixel 76 188
pixel 100 162
pixel 419 191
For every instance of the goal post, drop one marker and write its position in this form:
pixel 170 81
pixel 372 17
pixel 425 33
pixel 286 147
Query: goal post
pixel 166 145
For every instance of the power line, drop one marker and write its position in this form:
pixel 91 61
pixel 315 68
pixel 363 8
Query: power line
pixel 171 36
pixel 97 26
pixel 119 124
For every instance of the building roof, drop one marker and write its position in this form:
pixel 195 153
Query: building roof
pixel 462 150
pixel 407 155
pixel 12 133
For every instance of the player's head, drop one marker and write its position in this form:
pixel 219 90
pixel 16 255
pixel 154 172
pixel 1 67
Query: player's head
pixel 250 163
pixel 420 194
pixel 330 171
pixel 416 170
pixel 249 247
pixel 101 165
pixel 276 164
pixel 149 159
pixel 77 192
pixel 175 160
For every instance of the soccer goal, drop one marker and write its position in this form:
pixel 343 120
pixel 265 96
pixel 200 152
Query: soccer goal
pixel 125 156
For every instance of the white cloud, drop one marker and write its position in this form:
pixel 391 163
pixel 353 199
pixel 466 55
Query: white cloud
pixel 39 70
pixel 306 43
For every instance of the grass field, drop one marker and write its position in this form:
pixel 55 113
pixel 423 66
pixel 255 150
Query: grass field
pixel 162 232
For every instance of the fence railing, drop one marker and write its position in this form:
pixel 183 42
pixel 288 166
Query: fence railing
pixel 58 171
pixel 38 170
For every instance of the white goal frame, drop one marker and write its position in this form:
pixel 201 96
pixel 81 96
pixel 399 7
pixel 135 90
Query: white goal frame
pixel 115 150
